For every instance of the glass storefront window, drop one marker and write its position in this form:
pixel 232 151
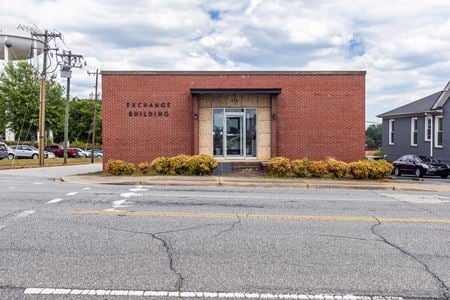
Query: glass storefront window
pixel 218 131
pixel 250 136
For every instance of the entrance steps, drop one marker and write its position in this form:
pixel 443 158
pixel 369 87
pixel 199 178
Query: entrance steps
pixel 242 168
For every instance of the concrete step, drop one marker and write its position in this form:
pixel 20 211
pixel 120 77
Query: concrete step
pixel 238 167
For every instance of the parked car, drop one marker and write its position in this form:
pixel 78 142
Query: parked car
pixel 419 166
pixel 97 153
pixel 11 153
pixel 25 151
pixel 58 150
pixel 81 153
pixel 3 151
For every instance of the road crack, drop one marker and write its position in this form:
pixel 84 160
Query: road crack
pixel 232 226
pixel 168 249
pixel 444 287
pixel 5 216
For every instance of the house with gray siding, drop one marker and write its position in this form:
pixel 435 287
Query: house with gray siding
pixel 421 127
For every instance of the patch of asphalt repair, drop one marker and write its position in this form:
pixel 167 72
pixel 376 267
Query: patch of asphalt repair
pixel 440 282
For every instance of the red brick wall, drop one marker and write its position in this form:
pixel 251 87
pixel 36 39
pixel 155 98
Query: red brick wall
pixel 317 115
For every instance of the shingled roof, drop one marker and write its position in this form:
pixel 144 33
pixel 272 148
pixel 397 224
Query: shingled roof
pixel 427 104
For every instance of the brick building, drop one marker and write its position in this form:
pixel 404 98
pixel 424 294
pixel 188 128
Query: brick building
pixel 245 115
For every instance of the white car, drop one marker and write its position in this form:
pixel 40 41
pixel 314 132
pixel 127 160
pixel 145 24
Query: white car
pixel 81 153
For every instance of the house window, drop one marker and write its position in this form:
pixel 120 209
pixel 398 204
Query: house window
pixel 428 128
pixel 391 132
pixel 413 131
pixel 438 132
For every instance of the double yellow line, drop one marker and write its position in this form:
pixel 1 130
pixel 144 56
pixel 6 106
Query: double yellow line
pixel 257 216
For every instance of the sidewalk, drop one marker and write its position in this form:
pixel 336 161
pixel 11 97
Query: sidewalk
pixel 241 181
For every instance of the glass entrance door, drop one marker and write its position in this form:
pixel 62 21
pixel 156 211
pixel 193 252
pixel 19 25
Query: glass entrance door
pixel 234 134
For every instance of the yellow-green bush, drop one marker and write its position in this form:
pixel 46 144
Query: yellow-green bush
pixel 279 166
pixel 119 167
pixel 379 169
pixel 161 165
pixel 360 169
pixel 144 167
pixel 185 165
pixel 318 168
pixel 370 169
pixel 180 164
pixel 300 167
pixel 336 167
pixel 202 164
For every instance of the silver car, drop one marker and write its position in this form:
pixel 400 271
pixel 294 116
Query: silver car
pixel 25 151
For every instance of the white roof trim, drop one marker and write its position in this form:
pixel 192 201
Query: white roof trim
pixel 443 97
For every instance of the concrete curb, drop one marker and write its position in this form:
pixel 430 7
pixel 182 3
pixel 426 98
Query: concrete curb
pixel 254 182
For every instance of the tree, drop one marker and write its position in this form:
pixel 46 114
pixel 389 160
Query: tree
pixel 80 121
pixel 373 136
pixel 19 95
pixel 3 122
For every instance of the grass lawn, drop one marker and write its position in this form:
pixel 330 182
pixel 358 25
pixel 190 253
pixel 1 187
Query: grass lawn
pixel 31 163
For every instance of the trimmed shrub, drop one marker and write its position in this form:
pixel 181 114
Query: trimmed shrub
pixel 300 167
pixel 202 164
pixel 370 169
pixel 180 164
pixel 279 166
pixel 360 169
pixel 119 167
pixel 336 167
pixel 144 167
pixel 318 168
pixel 161 165
pixel 379 169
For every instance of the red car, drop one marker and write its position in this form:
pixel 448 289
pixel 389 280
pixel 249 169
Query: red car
pixel 58 150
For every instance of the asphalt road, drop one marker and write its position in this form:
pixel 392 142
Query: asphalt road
pixel 60 239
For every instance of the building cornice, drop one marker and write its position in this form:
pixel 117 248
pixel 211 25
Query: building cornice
pixel 218 73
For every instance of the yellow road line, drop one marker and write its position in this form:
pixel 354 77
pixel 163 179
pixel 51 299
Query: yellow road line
pixel 256 216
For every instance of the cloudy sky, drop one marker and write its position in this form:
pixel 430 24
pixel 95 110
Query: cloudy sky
pixel 404 45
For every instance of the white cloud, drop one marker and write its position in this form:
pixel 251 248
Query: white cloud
pixel 403 45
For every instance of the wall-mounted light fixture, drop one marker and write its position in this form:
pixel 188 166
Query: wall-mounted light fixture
pixel 274 116
pixel 195 115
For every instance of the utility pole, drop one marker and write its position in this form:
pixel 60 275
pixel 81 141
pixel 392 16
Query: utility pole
pixel 47 36
pixel 69 61
pixel 94 119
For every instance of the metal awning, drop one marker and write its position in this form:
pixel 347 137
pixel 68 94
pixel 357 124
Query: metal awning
pixel 233 91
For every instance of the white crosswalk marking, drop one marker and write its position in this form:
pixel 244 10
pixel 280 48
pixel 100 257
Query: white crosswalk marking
pixel 194 294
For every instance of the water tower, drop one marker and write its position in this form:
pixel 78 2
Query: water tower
pixel 17 46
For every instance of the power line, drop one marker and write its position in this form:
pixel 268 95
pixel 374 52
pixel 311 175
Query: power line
pixel 372 122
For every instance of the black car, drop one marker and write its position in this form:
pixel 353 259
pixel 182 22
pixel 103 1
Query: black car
pixel 419 166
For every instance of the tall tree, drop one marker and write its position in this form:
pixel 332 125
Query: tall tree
pixel 19 95
pixel 373 136
pixel 3 122
pixel 80 121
